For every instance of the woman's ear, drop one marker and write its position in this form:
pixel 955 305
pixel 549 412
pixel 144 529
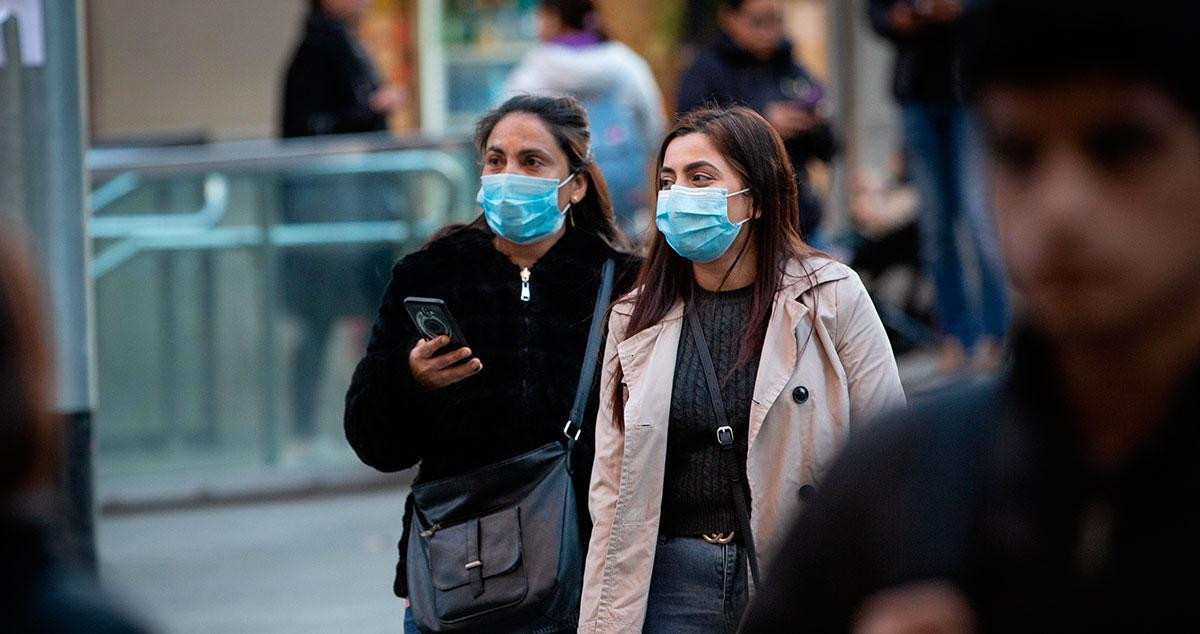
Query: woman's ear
pixel 579 187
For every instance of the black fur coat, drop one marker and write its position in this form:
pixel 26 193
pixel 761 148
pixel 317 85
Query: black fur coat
pixel 531 354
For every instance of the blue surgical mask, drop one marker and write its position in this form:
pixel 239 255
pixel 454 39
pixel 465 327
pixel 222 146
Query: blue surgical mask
pixel 695 221
pixel 521 209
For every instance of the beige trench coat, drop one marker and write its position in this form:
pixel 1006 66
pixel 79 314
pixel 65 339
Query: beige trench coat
pixel 824 334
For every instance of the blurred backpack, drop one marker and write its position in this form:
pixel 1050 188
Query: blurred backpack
pixel 621 151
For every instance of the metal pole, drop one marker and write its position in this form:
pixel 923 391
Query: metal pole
pixel 41 156
pixel 844 14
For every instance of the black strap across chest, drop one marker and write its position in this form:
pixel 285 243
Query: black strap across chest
pixel 724 437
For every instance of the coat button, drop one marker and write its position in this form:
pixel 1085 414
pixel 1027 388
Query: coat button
pixel 800 394
pixel 807 492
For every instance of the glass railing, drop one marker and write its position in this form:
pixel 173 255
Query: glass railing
pixel 235 286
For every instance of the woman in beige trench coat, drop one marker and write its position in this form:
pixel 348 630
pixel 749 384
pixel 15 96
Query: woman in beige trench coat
pixel 732 376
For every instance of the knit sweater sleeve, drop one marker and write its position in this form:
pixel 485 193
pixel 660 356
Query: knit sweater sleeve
pixel 387 411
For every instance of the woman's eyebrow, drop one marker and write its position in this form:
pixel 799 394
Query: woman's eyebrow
pixel 532 151
pixel 700 164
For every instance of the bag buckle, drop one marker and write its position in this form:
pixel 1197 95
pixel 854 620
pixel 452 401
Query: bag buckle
pixel 725 436
pixel 574 437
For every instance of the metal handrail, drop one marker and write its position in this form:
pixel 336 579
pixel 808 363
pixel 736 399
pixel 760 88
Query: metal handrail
pixel 276 154
pixel 216 203
pixel 199 230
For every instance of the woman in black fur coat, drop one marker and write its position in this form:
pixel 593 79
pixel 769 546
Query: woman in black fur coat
pixel 521 286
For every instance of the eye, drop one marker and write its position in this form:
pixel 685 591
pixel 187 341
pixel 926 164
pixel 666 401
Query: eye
pixel 492 161
pixel 665 182
pixel 700 178
pixel 1121 146
pixel 534 161
pixel 1016 154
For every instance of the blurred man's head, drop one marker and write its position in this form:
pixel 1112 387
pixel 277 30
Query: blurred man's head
pixel 26 433
pixel 1092 113
pixel 341 9
pixel 563 17
pixel 754 25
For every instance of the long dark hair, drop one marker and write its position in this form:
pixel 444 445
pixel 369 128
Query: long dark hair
pixel 26 432
pixel 567 121
pixel 758 156
pixel 577 15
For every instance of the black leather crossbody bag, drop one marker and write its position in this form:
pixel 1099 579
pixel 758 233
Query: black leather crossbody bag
pixel 499 548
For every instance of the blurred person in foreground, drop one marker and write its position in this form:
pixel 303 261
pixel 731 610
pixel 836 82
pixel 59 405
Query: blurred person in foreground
pixel 578 59
pixel 331 87
pixel 946 163
pixel 753 64
pixel 1062 495
pixel 39 590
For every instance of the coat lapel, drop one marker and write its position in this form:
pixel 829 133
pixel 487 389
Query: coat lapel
pixel 652 350
pixel 778 361
pixel 786 334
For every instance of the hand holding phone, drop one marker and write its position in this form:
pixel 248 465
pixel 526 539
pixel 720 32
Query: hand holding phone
pixel 434 369
pixel 442 358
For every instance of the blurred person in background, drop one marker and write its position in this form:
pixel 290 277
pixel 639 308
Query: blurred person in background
pixel 521 282
pixel 577 58
pixel 703 458
pixel 331 87
pixel 40 589
pixel 1060 497
pixel 946 161
pixel 753 64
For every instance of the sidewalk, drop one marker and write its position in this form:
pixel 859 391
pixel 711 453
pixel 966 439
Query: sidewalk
pixel 317 565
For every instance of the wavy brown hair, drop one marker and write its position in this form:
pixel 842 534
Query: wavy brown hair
pixel 27 443
pixel 756 153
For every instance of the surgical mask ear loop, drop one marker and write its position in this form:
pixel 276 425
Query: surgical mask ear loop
pixel 739 193
pixel 566 210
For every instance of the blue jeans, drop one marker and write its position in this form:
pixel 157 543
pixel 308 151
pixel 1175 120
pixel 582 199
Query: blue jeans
pixel 696 587
pixel 410 624
pixel 947 163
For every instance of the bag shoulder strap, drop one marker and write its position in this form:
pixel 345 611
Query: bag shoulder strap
pixel 725 439
pixel 591 356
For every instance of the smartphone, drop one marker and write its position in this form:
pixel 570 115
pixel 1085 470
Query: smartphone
pixel 433 319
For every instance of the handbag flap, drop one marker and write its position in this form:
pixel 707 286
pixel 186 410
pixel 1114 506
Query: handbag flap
pixel 452 553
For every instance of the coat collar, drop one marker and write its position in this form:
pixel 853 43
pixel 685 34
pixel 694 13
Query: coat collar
pixel 799 277
pixel 775 369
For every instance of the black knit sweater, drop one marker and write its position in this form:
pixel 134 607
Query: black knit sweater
pixel 697 498
pixel 531 353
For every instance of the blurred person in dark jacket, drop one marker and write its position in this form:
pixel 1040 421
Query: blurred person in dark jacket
pixel 1061 496
pixel 753 64
pixel 40 590
pixel 331 87
pixel 946 162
